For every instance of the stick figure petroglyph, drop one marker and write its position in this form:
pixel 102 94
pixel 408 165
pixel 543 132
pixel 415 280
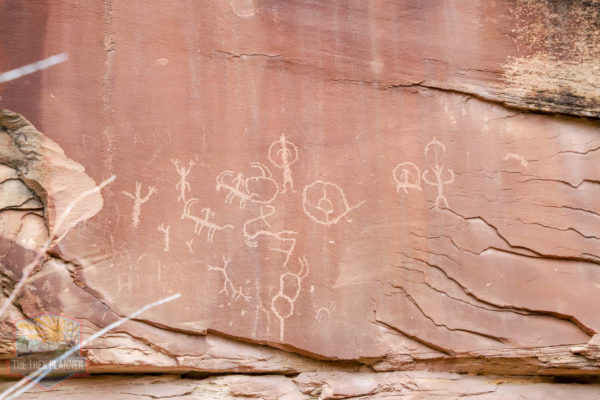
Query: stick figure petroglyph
pixel 325 203
pixel 201 223
pixel 259 226
pixel 407 176
pixel 323 313
pixel 260 189
pixel 228 288
pixel 138 200
pixel 165 230
pixel 282 154
pixel 517 157
pixel 438 171
pixel 183 185
pixel 290 285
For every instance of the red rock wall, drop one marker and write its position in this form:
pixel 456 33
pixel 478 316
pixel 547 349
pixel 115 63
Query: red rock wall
pixel 344 186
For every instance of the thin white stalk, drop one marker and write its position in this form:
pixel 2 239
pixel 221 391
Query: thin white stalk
pixel 39 374
pixel 42 252
pixel 34 67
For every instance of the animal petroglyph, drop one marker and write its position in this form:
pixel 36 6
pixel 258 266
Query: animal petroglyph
pixel 228 287
pixel 138 200
pixel 282 154
pixel 325 203
pixel 165 230
pixel 290 285
pixel 259 226
pixel 407 176
pixel 323 313
pixel 183 185
pixel 517 157
pixel 260 189
pixel 438 170
pixel 201 223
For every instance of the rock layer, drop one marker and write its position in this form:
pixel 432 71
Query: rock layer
pixel 321 386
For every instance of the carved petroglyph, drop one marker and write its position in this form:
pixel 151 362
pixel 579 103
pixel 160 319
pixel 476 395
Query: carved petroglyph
pixel 407 176
pixel 438 170
pixel 138 200
pixel 235 190
pixel 259 226
pixel 190 245
pixel 201 223
pixel 432 144
pixel 259 310
pixel 166 235
pixel 183 185
pixel 228 287
pixel 260 189
pixel 323 313
pixel 517 157
pixel 282 304
pixel 325 203
pixel 282 154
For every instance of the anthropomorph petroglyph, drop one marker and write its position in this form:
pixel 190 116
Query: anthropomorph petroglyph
pixel 282 154
pixel 201 223
pixel 323 313
pixel 138 200
pixel 517 157
pixel 438 170
pixel 260 189
pixel 290 285
pixel 325 203
pixel 166 236
pixel 183 185
pixel 228 287
pixel 407 176
pixel 259 227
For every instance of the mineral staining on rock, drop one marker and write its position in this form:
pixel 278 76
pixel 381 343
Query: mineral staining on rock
pixel 559 71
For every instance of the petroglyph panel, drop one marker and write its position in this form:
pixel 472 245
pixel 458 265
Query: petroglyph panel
pixel 434 219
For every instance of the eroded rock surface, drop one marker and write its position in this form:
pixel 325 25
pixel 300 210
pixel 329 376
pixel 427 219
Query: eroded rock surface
pixel 321 386
pixel 341 191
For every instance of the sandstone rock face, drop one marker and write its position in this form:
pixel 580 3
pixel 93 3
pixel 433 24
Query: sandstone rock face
pixel 340 191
